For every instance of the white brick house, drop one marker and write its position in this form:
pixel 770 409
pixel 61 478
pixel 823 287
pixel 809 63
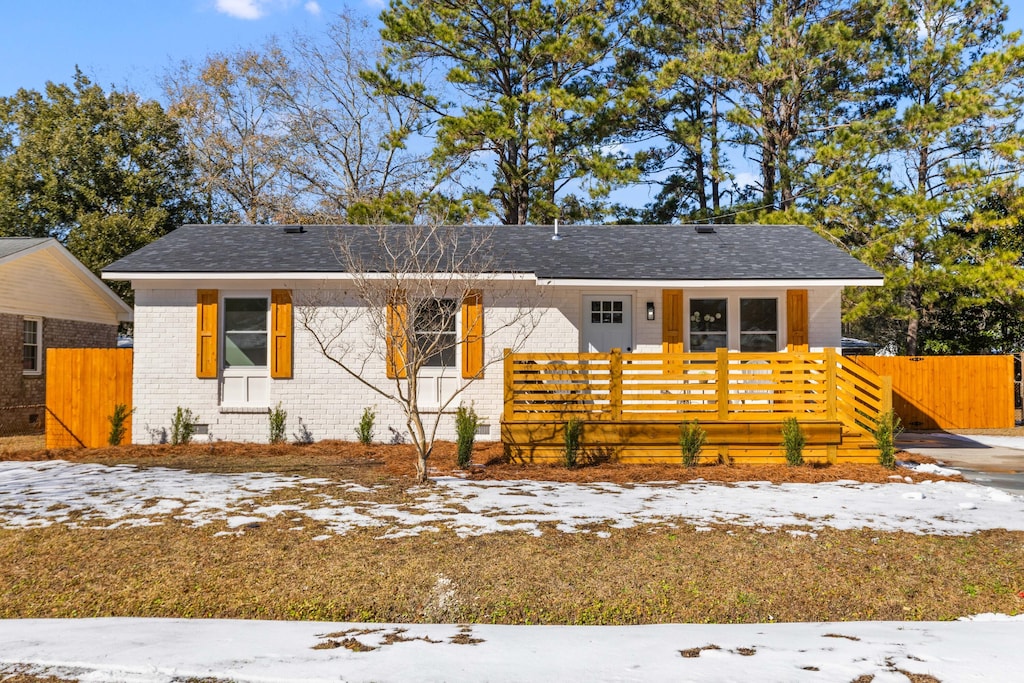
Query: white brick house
pixel 219 313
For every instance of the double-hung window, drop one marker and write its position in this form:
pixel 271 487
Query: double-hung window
pixel 245 332
pixel 709 324
pixel 436 338
pixel 749 325
pixel 245 377
pixel 32 345
pixel 759 325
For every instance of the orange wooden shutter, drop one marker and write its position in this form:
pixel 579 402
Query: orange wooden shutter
pixel 281 334
pixel 796 317
pixel 473 335
pixel 396 342
pixel 206 333
pixel 672 328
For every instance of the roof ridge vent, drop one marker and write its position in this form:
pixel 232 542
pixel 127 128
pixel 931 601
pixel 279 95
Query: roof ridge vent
pixel 705 229
pixel 294 229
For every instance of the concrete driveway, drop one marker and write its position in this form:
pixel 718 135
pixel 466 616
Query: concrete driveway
pixel 990 460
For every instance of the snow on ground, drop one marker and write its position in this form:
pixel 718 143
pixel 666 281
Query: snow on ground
pixel 166 650
pixel 991 440
pixel 38 494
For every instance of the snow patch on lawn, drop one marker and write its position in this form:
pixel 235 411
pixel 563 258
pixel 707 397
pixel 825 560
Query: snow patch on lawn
pixel 986 648
pixel 38 494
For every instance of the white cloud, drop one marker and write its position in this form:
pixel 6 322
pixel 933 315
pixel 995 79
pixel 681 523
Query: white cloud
pixel 313 7
pixel 241 9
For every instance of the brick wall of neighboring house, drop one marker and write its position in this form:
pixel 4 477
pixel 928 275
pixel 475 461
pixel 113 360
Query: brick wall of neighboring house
pixel 19 389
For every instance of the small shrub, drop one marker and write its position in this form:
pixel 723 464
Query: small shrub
pixel 278 418
pixel 793 442
pixel 117 426
pixel 183 426
pixel 692 438
pixel 466 422
pixel 887 428
pixel 573 432
pixel 365 429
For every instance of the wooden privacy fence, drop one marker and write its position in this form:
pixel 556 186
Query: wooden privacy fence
pixel 949 392
pixel 83 386
pixel 741 399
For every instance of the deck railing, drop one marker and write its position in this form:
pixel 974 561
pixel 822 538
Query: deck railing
pixel 720 386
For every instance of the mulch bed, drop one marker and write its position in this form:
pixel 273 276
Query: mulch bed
pixel 489 463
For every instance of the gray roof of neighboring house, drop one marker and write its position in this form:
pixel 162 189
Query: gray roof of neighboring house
pixel 12 245
pixel 601 252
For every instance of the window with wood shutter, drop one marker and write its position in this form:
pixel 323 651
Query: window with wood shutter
pixel 206 333
pixel 396 342
pixel 796 319
pixel 473 335
pixel 281 334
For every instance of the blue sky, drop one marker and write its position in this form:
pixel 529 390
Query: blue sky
pixel 132 43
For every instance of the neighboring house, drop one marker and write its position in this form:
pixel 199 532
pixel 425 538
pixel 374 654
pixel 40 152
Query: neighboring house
pixel 640 288
pixel 48 299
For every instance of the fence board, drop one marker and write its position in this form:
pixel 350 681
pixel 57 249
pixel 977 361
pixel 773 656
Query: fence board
pixel 949 392
pixel 82 388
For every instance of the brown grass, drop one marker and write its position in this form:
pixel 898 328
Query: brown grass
pixel 378 461
pixel 635 576
pixel 640 575
pixel 26 442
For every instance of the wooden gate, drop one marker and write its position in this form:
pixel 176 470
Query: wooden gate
pixel 948 392
pixel 82 388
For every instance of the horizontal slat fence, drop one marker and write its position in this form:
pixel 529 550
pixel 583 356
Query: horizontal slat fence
pixel 948 392
pixel 545 390
pixel 83 386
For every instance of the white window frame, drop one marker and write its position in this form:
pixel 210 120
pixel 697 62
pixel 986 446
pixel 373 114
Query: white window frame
pixel 38 369
pixel 776 331
pixel 245 372
pixel 732 298
pixel 436 382
pixel 454 332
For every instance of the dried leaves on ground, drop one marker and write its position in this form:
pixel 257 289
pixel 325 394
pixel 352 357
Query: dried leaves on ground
pixel 380 461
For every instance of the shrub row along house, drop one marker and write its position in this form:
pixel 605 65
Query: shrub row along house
pixel 631 329
pixel 48 299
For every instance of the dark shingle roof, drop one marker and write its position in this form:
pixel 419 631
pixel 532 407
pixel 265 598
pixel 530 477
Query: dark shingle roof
pixel 604 252
pixel 12 245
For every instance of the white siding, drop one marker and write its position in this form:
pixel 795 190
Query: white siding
pixel 42 284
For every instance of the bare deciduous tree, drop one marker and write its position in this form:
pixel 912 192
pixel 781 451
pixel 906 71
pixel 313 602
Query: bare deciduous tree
pixel 410 286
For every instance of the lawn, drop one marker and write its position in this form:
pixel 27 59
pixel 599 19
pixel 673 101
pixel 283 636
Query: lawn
pixel 338 532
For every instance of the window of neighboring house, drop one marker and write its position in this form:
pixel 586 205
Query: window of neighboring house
pixel 434 327
pixel 709 324
pixel 32 345
pixel 759 325
pixel 245 333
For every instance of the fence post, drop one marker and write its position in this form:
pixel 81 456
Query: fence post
pixel 722 377
pixel 886 393
pixel 615 384
pixel 831 398
pixel 509 398
pixel 831 385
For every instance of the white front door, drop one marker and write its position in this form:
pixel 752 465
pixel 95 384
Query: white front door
pixel 607 323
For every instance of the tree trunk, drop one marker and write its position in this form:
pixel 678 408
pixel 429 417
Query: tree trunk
pixel 716 169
